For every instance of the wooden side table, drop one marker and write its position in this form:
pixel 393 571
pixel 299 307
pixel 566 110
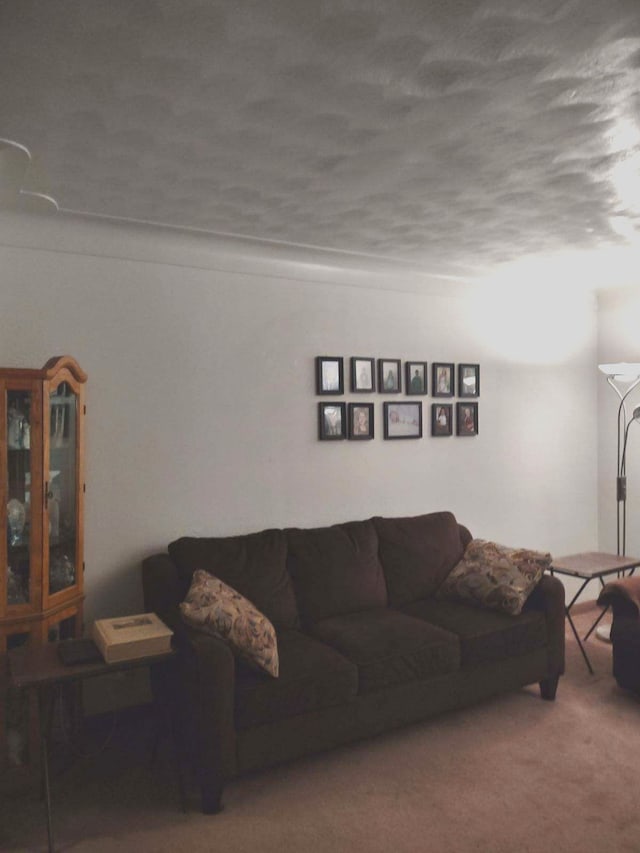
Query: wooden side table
pixel 588 566
pixel 39 668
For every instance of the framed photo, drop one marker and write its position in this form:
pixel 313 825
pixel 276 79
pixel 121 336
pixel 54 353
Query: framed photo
pixel 441 419
pixel 415 380
pixel 442 379
pixel 332 421
pixel 468 380
pixel 329 374
pixel 466 419
pixel 360 421
pixel 363 375
pixel 389 376
pixel 402 420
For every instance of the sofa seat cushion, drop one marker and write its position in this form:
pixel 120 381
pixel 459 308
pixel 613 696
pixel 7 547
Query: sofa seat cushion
pixel 417 553
pixel 255 565
pixel 312 676
pixel 389 647
pixel 335 569
pixel 485 635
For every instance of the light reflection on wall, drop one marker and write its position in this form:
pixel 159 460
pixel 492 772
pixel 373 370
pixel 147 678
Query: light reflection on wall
pixel 540 310
pixel 619 324
pixel 534 310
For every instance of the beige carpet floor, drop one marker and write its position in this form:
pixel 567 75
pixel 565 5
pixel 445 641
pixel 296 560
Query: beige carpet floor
pixel 512 775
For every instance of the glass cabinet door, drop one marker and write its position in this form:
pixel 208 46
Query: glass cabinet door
pixel 62 488
pixel 19 408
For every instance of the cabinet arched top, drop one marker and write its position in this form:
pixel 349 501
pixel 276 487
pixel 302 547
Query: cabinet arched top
pixel 63 362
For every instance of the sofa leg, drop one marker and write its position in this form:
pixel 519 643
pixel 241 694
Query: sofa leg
pixel 548 687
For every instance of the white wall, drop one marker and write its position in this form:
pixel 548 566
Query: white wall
pixel 618 340
pixel 201 405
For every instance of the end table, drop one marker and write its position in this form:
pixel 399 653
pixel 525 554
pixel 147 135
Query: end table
pixel 40 668
pixel 587 566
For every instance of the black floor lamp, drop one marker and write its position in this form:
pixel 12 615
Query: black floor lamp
pixel 623 378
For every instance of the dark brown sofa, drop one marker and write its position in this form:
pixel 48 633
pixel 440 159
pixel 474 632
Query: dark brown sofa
pixel 363 642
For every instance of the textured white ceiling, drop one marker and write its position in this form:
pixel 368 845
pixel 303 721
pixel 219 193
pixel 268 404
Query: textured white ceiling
pixel 453 133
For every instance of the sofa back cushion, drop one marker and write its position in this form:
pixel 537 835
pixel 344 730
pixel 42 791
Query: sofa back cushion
pixel 255 565
pixel 417 553
pixel 335 570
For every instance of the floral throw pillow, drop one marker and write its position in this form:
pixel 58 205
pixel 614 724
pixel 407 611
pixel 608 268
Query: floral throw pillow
pixel 495 576
pixel 214 607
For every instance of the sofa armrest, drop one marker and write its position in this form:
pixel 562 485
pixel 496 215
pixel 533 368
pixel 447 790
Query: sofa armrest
pixel 549 597
pixel 205 680
pixel 623 596
pixel 208 667
pixel 625 638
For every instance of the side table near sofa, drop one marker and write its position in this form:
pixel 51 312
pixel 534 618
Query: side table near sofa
pixel 588 566
pixel 40 669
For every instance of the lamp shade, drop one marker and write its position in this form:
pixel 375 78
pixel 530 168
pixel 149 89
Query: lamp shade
pixel 622 370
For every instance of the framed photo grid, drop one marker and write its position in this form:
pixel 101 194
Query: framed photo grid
pixel 402 419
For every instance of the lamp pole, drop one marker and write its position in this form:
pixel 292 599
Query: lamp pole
pixel 629 376
pixel 621 469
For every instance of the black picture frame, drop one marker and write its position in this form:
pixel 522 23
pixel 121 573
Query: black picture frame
pixel 329 374
pixel 389 376
pixel 403 420
pixel 442 379
pixel 467 419
pixel 441 419
pixel 468 380
pixel 360 421
pixel 415 377
pixel 332 421
pixel 363 375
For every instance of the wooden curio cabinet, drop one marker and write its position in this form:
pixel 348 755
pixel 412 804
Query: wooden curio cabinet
pixel 41 508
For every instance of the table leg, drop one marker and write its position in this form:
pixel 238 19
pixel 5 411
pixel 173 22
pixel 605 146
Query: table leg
pixel 597 622
pixel 580 646
pixel 46 698
pixel 176 739
pixel 567 611
pixel 167 720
